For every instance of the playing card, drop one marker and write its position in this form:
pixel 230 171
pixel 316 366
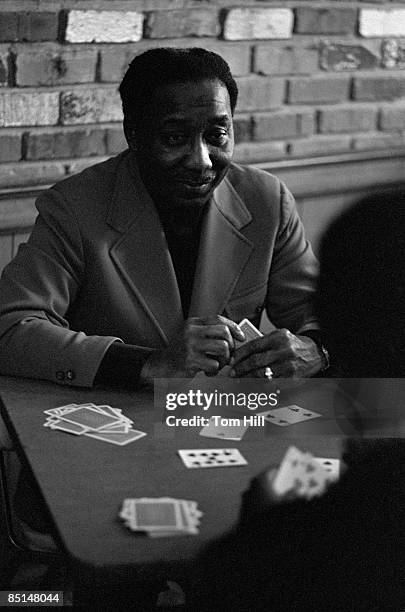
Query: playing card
pixel 51 421
pixel 332 467
pixel 119 428
pixel 211 457
pixel 223 432
pixel 290 473
pixel 61 410
pixel 117 438
pixel 113 412
pixel 251 332
pixel 288 415
pixel 89 417
pixel 161 517
pixel 72 428
pixel 100 422
pixel 302 473
pixel 315 478
pixel 153 514
pixel 189 520
pixel 126 510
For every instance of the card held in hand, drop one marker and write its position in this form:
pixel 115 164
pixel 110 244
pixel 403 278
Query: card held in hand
pixel 251 332
pixel 303 474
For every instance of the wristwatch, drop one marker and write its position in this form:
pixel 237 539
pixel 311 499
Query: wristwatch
pixel 315 336
pixel 325 356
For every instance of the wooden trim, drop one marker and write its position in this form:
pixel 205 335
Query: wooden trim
pixel 347 173
pixel 339 158
pixel 315 177
pixel 22 192
pixel 280 167
pixel 17 214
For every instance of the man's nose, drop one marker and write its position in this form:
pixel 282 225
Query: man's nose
pixel 198 157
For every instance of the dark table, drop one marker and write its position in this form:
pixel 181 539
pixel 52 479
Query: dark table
pixel 83 481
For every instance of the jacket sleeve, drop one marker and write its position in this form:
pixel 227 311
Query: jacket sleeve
pixel 293 272
pixel 36 290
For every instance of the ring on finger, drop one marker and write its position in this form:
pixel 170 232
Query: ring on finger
pixel 268 373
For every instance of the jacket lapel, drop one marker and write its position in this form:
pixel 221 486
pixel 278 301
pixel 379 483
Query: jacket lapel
pixel 224 251
pixel 141 253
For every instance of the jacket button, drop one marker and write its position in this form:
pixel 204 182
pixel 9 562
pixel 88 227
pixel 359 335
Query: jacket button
pixel 258 309
pixel 70 375
pixel 60 375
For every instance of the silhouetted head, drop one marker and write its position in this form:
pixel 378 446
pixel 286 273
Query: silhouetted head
pixel 361 293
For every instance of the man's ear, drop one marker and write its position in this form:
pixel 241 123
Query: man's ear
pixel 130 137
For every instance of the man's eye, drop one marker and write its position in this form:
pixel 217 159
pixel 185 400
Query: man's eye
pixel 174 139
pixel 219 137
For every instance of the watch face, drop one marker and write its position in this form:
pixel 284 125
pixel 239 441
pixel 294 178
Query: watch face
pixel 326 357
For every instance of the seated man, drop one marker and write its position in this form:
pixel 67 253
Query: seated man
pixel 142 266
pixel 344 550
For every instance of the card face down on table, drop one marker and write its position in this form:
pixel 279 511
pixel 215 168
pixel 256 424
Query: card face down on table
pixel 224 432
pixel 159 517
pixel 99 422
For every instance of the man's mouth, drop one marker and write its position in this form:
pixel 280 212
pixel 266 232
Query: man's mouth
pixel 195 186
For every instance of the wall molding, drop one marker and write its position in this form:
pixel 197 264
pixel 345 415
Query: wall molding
pixel 343 173
pixel 307 178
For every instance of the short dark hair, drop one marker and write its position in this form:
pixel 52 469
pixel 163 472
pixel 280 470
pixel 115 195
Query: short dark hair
pixel 361 292
pixel 158 67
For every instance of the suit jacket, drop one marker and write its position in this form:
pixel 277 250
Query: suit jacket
pixel 97 268
pixel 342 552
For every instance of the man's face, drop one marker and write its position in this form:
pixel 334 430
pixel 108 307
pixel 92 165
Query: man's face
pixel 187 144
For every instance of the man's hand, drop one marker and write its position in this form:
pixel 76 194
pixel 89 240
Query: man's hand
pixel 288 356
pixel 204 344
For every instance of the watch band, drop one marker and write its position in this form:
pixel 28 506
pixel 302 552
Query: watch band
pixel 325 355
pixel 315 335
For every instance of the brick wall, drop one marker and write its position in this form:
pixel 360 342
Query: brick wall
pixel 315 77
